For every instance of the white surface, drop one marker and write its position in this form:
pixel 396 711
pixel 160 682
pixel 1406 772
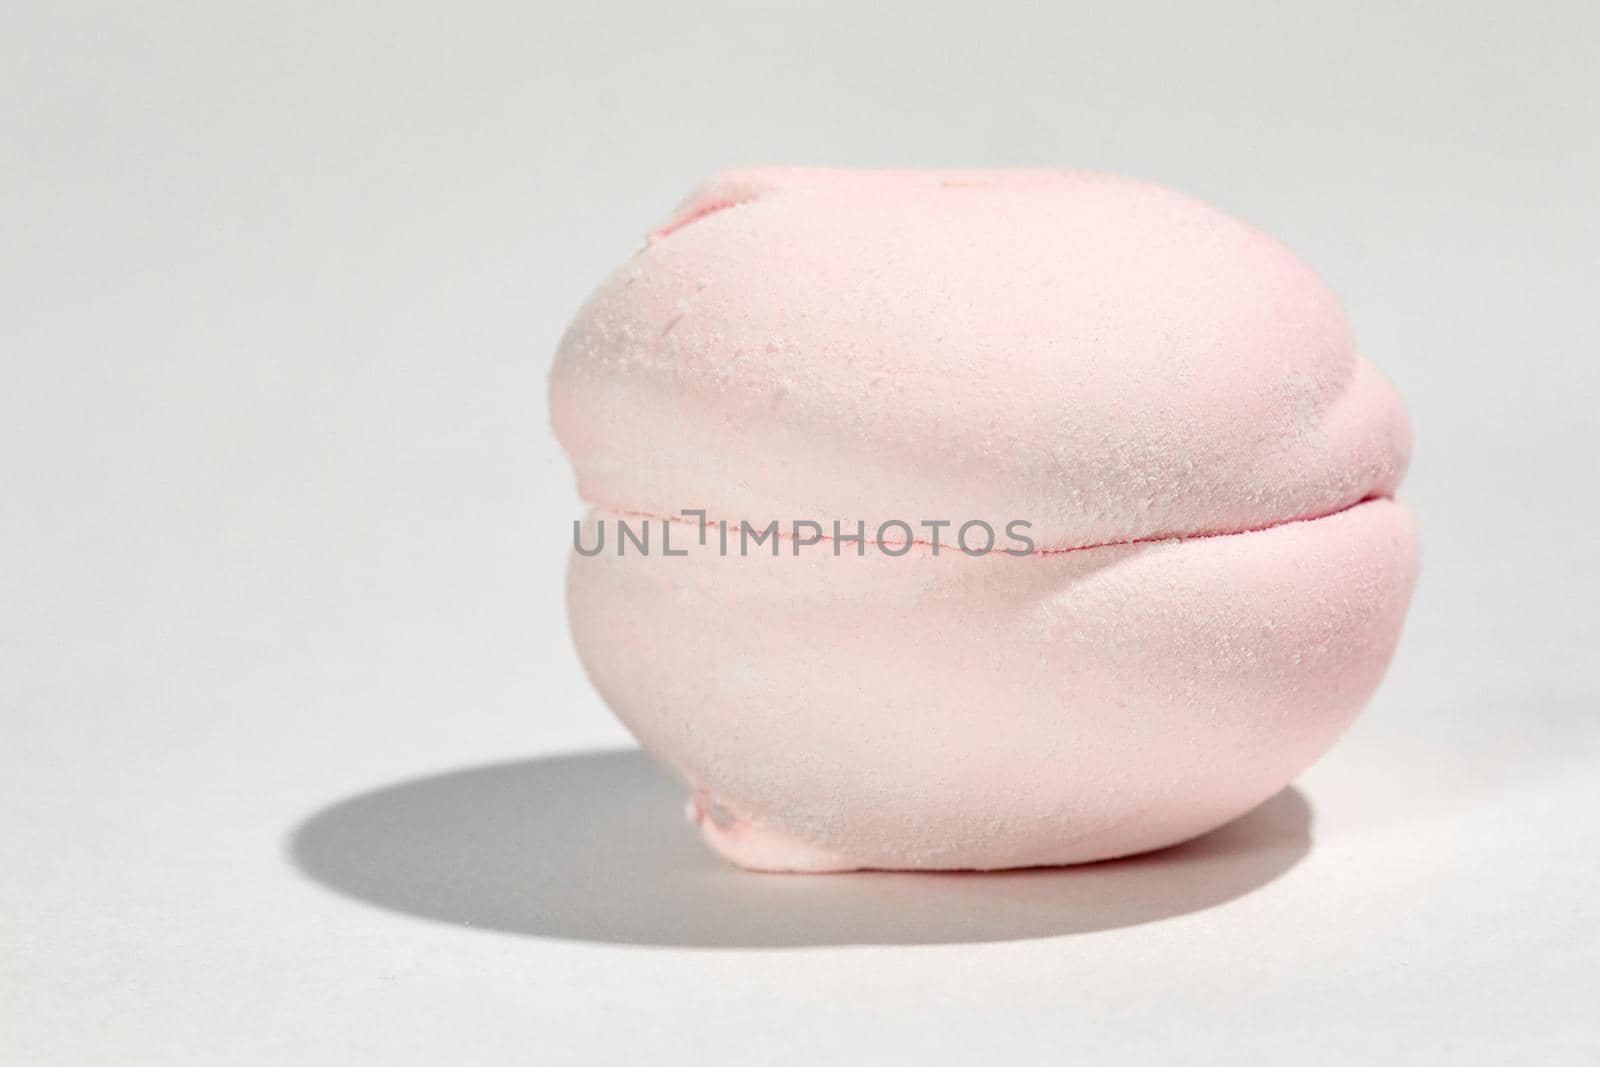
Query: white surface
pixel 282 523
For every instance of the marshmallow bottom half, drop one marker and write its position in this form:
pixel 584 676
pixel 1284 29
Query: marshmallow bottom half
pixel 834 711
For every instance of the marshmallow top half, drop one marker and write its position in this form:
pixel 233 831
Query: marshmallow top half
pixel 1105 359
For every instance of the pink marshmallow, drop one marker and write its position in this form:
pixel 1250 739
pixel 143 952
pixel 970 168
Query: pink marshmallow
pixel 1104 360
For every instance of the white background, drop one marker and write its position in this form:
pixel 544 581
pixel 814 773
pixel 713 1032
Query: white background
pixel 281 522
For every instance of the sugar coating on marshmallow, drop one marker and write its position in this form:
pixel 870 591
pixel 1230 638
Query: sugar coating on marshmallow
pixel 1170 399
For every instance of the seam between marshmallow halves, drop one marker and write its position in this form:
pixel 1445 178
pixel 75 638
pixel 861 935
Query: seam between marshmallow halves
pixel 1152 539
